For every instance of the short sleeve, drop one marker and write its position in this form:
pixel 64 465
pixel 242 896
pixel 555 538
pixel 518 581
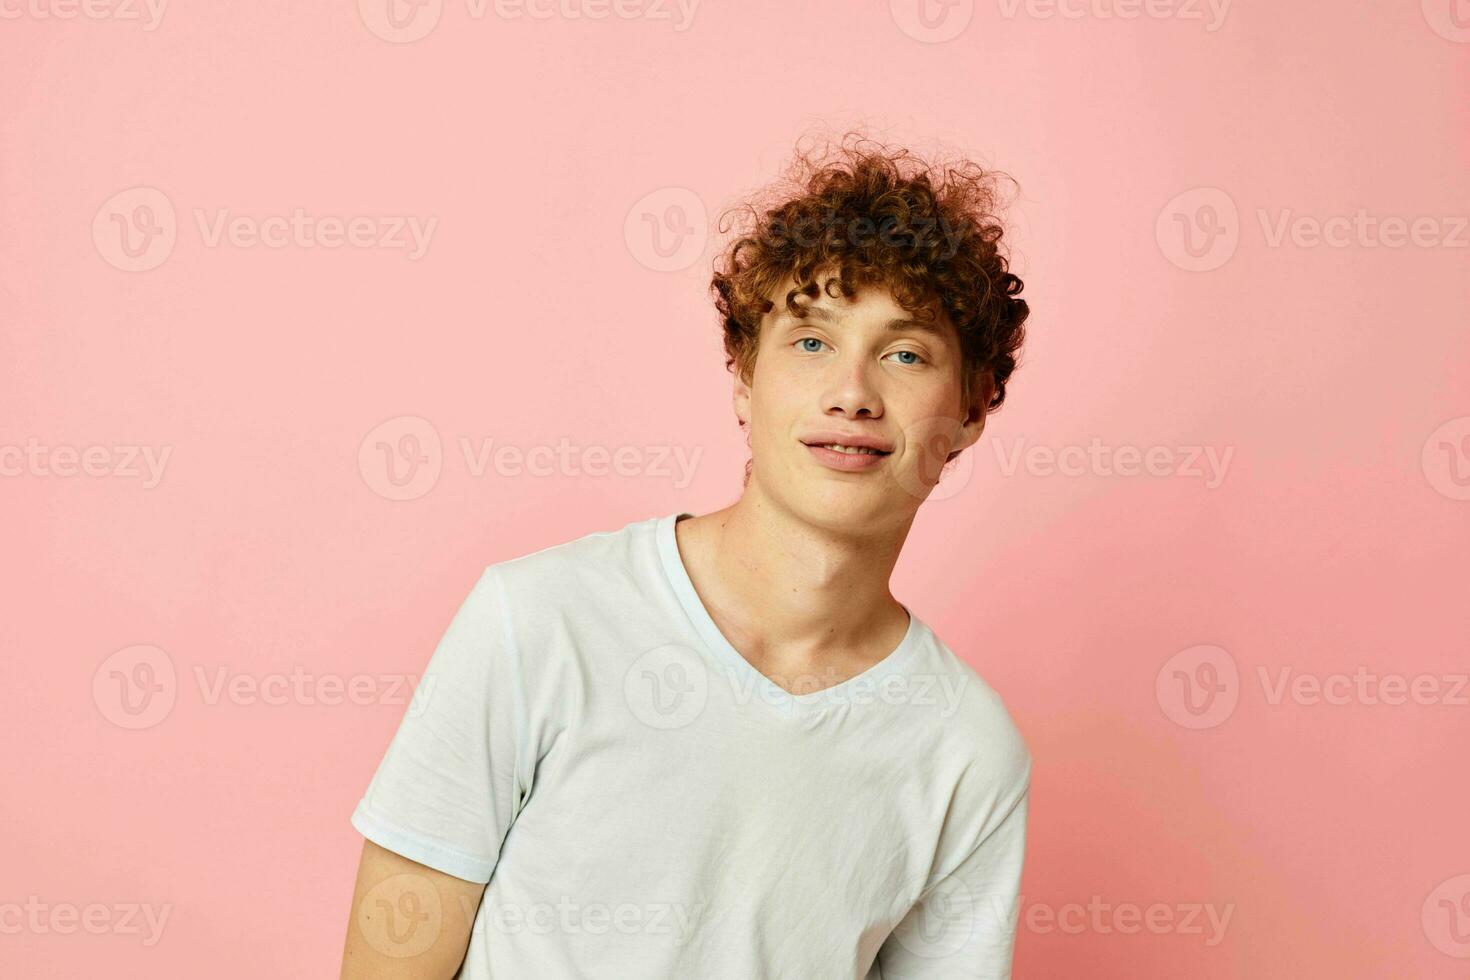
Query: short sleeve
pixel 964 927
pixel 450 783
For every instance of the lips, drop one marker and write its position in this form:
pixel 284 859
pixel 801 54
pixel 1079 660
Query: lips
pixel 848 442
pixel 848 461
pixel 849 450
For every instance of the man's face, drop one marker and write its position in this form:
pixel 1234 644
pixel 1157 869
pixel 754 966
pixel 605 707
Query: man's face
pixel 862 373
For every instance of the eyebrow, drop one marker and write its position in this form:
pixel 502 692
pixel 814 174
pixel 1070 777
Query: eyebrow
pixel 827 316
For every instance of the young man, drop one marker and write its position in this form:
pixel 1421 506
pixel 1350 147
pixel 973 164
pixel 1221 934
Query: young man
pixel 711 747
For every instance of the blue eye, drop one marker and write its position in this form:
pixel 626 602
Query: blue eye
pixel 812 340
pixel 914 354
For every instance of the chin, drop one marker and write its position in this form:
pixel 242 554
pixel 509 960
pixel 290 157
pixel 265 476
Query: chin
pixel 841 506
pixel 836 501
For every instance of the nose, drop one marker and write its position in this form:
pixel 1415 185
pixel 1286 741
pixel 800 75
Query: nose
pixel 850 391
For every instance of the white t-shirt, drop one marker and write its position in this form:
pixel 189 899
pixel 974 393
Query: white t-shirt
pixel 646 805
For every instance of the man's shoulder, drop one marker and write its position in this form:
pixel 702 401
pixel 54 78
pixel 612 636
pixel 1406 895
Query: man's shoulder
pixel 577 567
pixel 979 724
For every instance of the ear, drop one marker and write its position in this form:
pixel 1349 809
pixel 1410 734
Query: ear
pixel 740 399
pixel 981 391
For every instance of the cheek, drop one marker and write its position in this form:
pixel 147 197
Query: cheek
pixel 925 404
pixel 776 395
pixel 942 398
pixel 930 422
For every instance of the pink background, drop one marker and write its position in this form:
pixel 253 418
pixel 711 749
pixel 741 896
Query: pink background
pixel 542 310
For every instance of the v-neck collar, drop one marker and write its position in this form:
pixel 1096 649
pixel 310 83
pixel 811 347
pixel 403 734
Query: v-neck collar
pixel 683 586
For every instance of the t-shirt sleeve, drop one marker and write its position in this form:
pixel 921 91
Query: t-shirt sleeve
pixel 964 926
pixel 453 776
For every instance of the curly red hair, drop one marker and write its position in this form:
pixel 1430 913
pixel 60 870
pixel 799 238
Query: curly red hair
pixel 876 215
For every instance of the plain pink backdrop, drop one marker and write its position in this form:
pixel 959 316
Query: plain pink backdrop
pixel 546 151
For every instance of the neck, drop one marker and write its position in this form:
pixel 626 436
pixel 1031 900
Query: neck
pixel 793 594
